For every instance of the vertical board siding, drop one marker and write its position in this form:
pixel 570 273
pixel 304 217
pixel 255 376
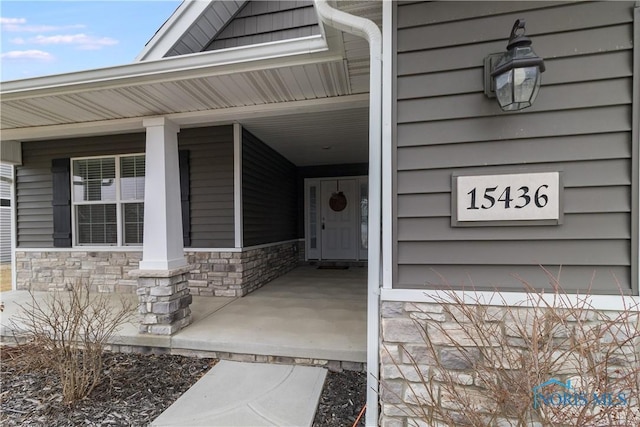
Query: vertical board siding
pixel 269 192
pixel 211 185
pixel 580 125
pixel 267 21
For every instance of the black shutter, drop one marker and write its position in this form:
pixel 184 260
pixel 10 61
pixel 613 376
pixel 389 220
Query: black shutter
pixel 183 158
pixel 60 169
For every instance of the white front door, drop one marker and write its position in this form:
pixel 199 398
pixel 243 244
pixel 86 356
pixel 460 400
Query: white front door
pixel 339 207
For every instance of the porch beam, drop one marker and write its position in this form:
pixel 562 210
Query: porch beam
pixel 11 152
pixel 162 244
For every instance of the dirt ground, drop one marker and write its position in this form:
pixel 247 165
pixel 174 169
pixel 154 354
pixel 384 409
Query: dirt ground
pixel 5 277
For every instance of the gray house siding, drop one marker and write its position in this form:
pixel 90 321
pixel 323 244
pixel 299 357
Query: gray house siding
pixel 580 125
pixel 211 185
pixel 269 194
pixel 6 177
pixel 267 21
pixel 34 183
pixel 211 182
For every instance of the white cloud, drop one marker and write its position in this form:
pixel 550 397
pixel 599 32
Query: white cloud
pixel 12 21
pixel 19 25
pixel 18 40
pixel 82 41
pixel 27 54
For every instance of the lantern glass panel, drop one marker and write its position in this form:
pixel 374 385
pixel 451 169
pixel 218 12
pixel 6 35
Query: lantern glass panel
pixel 504 88
pixel 524 84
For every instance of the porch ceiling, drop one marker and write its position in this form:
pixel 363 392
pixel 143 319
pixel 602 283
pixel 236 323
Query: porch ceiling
pixel 233 89
pixel 298 96
pixel 327 137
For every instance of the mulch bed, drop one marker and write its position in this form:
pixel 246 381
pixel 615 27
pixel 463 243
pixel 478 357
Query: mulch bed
pixel 135 390
pixel 342 399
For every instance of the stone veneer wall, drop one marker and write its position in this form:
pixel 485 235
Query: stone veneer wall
pixel 235 274
pixel 106 271
pixel 407 363
pixel 213 273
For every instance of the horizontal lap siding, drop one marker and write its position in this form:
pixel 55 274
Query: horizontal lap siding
pixel 580 125
pixel 268 21
pixel 211 176
pixel 34 184
pixel 6 178
pixel 269 194
pixel 211 185
pixel 5 234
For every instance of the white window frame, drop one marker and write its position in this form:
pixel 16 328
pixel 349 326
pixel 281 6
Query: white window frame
pixel 119 202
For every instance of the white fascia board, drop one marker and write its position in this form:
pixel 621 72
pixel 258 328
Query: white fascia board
pixel 512 299
pixel 304 50
pixel 172 30
pixel 219 116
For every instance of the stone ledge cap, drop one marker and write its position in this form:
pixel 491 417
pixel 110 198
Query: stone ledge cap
pixel 160 273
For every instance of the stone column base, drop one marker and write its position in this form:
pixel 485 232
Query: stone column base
pixel 164 300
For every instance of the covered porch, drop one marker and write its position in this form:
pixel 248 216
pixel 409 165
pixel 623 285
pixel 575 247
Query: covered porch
pixel 308 316
pixel 231 140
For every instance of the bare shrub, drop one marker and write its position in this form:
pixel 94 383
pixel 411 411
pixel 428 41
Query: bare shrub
pixel 71 328
pixel 486 363
pixel 25 356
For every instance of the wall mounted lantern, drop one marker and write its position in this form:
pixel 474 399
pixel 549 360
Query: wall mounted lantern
pixel 514 76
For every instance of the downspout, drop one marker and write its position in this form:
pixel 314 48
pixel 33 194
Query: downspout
pixel 368 30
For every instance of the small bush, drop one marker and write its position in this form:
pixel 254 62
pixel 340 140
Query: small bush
pixel 71 328
pixel 483 363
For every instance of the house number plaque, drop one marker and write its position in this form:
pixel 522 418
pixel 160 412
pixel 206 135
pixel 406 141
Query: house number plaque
pixel 507 199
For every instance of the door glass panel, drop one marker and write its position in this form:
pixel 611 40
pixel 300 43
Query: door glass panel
pixel 364 215
pixel 313 218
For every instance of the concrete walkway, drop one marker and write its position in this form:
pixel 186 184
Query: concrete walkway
pixel 249 394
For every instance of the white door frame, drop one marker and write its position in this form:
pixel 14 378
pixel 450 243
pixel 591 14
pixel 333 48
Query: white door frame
pixel 312 227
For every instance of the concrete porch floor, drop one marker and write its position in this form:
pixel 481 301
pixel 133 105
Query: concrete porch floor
pixel 308 313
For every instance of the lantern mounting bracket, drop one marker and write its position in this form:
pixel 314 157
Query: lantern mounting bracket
pixel 489 83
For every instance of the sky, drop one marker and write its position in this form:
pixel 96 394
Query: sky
pixel 52 37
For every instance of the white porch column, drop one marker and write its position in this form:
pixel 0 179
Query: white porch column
pixel 163 277
pixel 162 243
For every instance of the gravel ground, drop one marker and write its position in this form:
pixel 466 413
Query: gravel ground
pixel 134 394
